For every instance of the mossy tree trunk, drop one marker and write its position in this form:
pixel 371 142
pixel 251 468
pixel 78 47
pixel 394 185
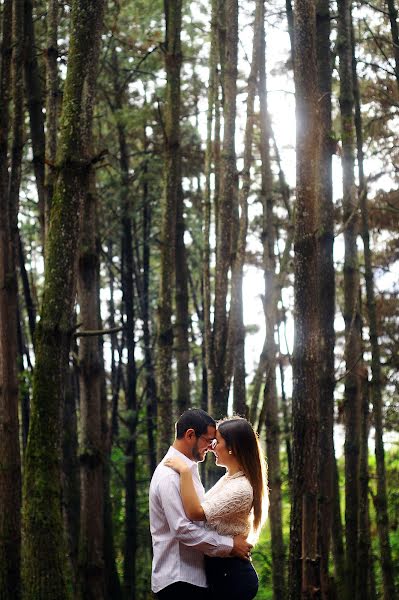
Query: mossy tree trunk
pixel 10 463
pixel 326 282
pixel 43 548
pixel 173 59
pixel 304 555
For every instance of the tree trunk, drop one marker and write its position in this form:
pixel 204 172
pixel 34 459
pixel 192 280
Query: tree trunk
pixel 151 391
pixel 226 204
pixel 92 450
pixel 326 282
pixel 52 105
pixel 304 556
pixel 235 358
pixel 173 59
pixel 393 18
pixel 182 349
pixel 35 107
pixel 337 546
pixel 351 298
pixel 10 472
pixel 376 381
pixel 43 567
pixel 270 401
pixel 213 91
pixel 362 583
pixel 70 478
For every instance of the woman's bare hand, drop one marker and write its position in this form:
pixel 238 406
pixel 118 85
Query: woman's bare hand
pixel 177 464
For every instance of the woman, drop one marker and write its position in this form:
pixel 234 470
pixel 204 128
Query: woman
pixel 235 505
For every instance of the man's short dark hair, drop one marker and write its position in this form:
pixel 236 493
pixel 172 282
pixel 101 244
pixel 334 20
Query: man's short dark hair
pixel 194 418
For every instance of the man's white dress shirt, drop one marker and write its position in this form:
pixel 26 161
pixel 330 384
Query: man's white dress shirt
pixel 179 544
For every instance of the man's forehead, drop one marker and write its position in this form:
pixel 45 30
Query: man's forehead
pixel 211 431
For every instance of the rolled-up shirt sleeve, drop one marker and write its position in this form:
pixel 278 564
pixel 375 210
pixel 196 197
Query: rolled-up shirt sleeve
pixel 187 532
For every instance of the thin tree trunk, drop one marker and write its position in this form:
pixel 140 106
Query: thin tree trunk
pixel 52 105
pixel 362 583
pixel 43 567
pixel 173 59
pixel 151 390
pixel 337 545
pixel 393 19
pixel 35 107
pixel 226 204
pixel 270 401
pixel 92 450
pixel 182 349
pixel 70 478
pixel 207 206
pixel 351 297
pixel 326 277
pixel 304 556
pixel 376 381
pixel 10 472
pixel 235 358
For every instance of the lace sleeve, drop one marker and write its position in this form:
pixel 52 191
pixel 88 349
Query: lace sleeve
pixel 233 498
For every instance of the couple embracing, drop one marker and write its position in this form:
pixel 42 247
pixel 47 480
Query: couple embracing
pixel 200 547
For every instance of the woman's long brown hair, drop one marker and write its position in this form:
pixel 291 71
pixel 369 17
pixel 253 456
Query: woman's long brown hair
pixel 242 440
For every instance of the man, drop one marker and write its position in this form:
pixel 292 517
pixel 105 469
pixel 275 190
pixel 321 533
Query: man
pixel 179 544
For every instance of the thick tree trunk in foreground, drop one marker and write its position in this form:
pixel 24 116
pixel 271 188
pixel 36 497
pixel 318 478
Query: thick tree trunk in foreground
pixel 43 567
pixel 10 469
pixel 304 555
pixel 173 59
pixel 326 281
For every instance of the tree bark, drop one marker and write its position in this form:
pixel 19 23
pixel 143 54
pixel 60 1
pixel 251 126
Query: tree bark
pixel 337 545
pixel 226 204
pixel 52 105
pixel 92 449
pixel 10 472
pixel 235 358
pixel 43 567
pixel 376 381
pixel 393 19
pixel 270 401
pixel 326 284
pixel 351 298
pixel 182 348
pixel 35 107
pixel 213 91
pixel 173 59
pixel 304 557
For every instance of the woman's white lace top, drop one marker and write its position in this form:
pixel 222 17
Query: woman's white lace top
pixel 228 503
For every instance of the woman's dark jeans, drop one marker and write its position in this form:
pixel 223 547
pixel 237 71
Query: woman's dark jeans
pixel 232 578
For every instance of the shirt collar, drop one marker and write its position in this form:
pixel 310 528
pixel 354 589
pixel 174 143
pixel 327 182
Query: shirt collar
pixel 173 452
